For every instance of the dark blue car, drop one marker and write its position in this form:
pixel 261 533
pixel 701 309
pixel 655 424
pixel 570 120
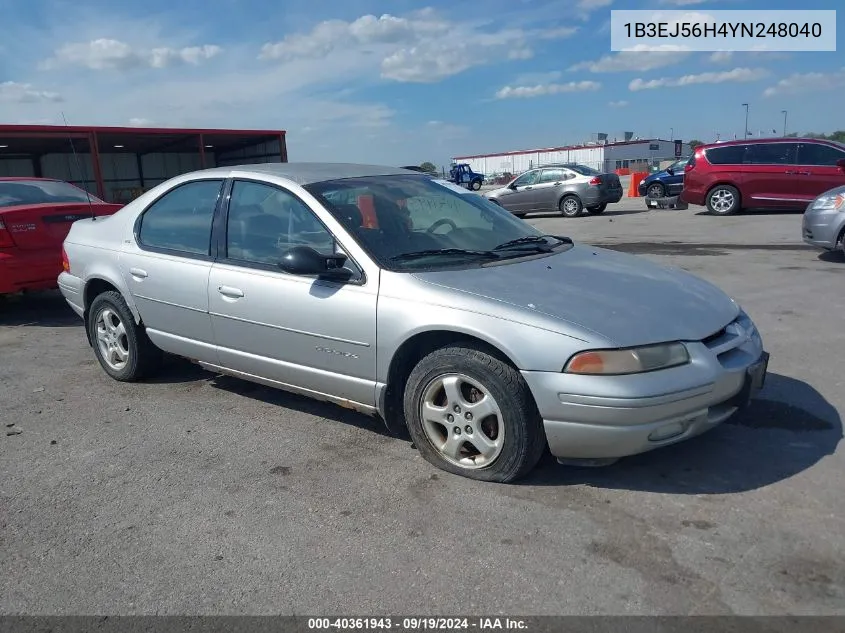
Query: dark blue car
pixel 668 182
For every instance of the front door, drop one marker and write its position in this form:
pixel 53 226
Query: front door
pixel 817 169
pixel 166 268
pixel 519 198
pixel 296 330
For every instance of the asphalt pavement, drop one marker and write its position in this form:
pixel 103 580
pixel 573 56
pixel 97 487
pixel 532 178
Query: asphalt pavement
pixel 202 494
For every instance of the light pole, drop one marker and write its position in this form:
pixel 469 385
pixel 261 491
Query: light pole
pixel 671 134
pixel 745 105
pixel 784 121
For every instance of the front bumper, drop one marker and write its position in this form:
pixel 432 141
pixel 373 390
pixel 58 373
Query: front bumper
pixel 822 228
pixel 595 417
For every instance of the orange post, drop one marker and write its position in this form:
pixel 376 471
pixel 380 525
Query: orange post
pixel 636 178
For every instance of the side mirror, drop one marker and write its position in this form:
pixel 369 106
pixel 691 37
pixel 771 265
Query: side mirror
pixel 841 164
pixel 670 171
pixel 304 260
pixel 512 187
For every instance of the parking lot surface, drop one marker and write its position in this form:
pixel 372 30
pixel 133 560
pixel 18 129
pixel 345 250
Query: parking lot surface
pixel 203 494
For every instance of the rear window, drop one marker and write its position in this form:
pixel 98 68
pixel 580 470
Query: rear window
pixel 17 192
pixel 727 155
pixel 583 170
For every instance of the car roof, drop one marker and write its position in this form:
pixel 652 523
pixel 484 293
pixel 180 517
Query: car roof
pixel 18 178
pixel 775 139
pixel 309 173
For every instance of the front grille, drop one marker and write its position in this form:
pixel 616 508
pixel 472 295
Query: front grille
pixel 725 342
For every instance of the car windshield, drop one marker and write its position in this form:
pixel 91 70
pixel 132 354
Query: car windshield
pixel 584 170
pixel 18 192
pixel 679 166
pixel 415 222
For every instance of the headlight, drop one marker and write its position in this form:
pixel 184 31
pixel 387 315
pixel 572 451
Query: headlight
pixel 628 361
pixel 829 203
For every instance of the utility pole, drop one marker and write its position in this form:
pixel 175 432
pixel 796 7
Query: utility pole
pixel 784 121
pixel 671 134
pixel 745 105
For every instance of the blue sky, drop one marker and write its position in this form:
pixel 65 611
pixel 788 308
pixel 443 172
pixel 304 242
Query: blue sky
pixel 398 82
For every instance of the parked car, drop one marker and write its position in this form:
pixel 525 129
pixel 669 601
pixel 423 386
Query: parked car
pixel 35 216
pixel 488 339
pixel 569 189
pixel 664 183
pixel 824 221
pixel 782 173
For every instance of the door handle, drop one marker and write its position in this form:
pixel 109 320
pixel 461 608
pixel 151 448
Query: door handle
pixel 805 173
pixel 528 187
pixel 138 272
pixel 232 293
pixel 789 172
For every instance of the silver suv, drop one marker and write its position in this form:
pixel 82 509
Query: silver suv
pixel 568 188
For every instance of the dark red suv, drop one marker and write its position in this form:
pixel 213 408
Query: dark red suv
pixel 783 173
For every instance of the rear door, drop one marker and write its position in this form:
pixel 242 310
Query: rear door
pixel 548 189
pixel 817 171
pixel 768 175
pixel 166 268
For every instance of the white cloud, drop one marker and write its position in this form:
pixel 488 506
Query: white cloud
pixel 618 104
pixel 421 48
pixel 737 75
pixel 630 62
pixel 592 5
pixel 111 54
pixel 541 90
pixel 682 3
pixel 13 92
pixel 721 57
pixel 139 122
pixel 807 83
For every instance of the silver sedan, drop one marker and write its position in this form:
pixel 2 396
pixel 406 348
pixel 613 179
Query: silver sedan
pixel 389 292
pixel 823 225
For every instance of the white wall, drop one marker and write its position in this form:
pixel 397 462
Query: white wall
pixel 518 163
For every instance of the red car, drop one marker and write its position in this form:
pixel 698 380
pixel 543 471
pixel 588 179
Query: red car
pixel 783 173
pixel 35 217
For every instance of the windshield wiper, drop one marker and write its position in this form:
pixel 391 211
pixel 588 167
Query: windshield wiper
pixel 444 251
pixel 533 240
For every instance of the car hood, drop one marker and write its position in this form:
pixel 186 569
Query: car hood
pixel 626 299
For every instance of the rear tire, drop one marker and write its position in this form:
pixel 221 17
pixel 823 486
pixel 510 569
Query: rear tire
pixel 122 347
pixel 570 206
pixel 597 210
pixel 475 185
pixel 723 200
pixel 502 442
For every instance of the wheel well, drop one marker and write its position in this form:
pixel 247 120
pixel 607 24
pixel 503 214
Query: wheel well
pixel 412 352
pixel 94 288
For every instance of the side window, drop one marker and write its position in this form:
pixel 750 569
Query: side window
pixel 770 154
pixel 265 221
pixel 817 154
pixel 729 155
pixel 181 219
pixel 552 175
pixel 526 179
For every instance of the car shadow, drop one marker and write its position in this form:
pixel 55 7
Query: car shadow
pixel 786 430
pixel 300 404
pixel 833 257
pixel 44 309
pixel 607 213
pixel 750 212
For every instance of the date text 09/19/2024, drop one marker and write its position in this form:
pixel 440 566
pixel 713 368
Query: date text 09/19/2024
pixel 417 624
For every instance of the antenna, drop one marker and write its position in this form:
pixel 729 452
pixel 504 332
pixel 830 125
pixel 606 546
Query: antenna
pixel 81 171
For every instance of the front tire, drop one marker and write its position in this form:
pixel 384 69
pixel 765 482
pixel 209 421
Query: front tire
pixel 655 190
pixel 473 415
pixel 571 206
pixel 723 200
pixel 122 347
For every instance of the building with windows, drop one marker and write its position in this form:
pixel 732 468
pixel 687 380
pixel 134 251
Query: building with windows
pixel 635 155
pixel 117 164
